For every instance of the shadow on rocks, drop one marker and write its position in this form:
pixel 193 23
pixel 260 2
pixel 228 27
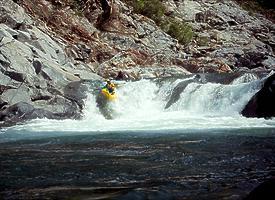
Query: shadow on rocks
pixel 265 191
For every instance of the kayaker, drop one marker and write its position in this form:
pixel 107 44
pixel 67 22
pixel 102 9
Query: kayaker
pixel 110 86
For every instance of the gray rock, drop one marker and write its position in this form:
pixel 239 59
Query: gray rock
pixel 16 111
pixel 76 91
pixel 47 45
pixel 261 105
pixel 13 15
pixel 23 111
pixel 269 63
pixel 16 95
pixel 175 95
pixel 19 56
pixel 265 190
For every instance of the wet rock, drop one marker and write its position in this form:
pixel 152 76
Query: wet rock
pixel 23 111
pixel 264 191
pixel 122 76
pixel 175 95
pixel 262 103
pixel 16 111
pixel 76 91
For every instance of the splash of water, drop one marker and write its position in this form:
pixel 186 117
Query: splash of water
pixel 141 106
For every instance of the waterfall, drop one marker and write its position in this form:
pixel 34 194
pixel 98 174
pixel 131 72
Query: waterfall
pixel 142 105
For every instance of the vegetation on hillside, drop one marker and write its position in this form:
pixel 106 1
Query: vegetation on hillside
pixel 182 31
pixel 155 10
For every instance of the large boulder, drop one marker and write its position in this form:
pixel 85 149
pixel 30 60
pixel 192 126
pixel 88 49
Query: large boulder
pixel 264 191
pixel 22 111
pixel 262 103
pixel 76 92
pixel 69 105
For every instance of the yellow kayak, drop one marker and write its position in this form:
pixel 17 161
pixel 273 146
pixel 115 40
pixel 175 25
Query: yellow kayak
pixel 108 95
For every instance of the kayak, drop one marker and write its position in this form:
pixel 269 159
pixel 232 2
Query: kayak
pixel 108 95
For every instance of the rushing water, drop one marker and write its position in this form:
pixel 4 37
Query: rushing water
pixel 141 107
pixel 198 143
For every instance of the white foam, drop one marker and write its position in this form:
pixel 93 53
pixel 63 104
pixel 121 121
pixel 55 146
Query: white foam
pixel 141 107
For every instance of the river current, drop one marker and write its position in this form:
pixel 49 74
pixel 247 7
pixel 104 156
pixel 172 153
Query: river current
pixel 198 145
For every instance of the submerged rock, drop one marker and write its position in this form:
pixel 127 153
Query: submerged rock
pixel 175 96
pixel 262 103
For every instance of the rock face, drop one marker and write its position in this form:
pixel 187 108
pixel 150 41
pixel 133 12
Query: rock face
pixel 230 34
pixel 49 48
pixel 37 78
pixel 227 37
pixel 262 103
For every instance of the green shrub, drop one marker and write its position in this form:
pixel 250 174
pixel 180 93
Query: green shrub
pixel 182 31
pixel 202 40
pixel 153 9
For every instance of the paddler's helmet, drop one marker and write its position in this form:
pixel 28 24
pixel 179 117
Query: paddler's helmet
pixel 108 81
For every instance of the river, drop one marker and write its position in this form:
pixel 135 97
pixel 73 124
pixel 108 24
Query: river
pixel 197 147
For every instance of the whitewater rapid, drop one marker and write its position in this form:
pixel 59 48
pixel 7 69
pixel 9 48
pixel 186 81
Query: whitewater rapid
pixel 141 107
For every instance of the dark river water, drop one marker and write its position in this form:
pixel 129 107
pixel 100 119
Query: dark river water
pixel 197 147
pixel 217 164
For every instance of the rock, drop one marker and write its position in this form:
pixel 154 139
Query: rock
pixel 250 60
pixel 14 112
pixel 2 103
pixel 23 111
pixel 264 191
pixel 122 76
pixel 15 95
pixel 52 107
pixel 175 95
pixel 50 48
pixel 269 63
pixel 35 72
pixel 76 91
pixel 13 15
pixel 262 103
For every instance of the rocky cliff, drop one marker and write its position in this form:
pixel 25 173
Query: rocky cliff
pixel 49 48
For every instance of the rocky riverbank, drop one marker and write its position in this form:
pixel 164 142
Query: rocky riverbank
pixel 50 48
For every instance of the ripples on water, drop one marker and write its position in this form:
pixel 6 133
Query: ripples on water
pixel 199 148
